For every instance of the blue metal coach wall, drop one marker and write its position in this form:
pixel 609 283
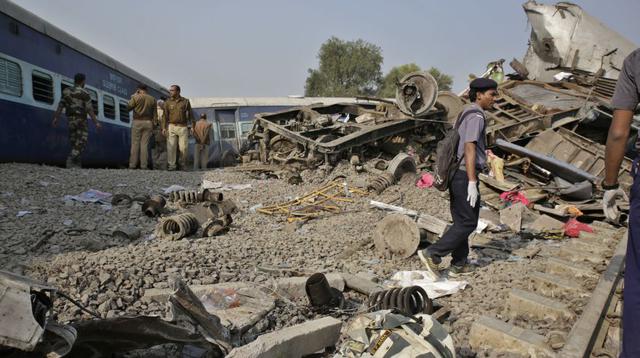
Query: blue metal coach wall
pixel 27 135
pixel 220 146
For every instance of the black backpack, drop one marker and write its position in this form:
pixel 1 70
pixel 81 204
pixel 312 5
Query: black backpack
pixel 447 153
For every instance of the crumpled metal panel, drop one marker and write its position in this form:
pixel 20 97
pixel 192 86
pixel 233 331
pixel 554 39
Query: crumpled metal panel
pixel 578 151
pixel 18 327
pixel 564 36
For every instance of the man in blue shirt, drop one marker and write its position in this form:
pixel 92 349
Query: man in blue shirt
pixel 464 197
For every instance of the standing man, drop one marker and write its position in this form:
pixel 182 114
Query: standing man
pixel 159 147
pixel 464 198
pixel 201 133
pixel 625 101
pixel 76 103
pixel 144 115
pixel 177 118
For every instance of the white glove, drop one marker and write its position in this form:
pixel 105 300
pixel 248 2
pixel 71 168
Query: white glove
pixel 472 193
pixel 609 205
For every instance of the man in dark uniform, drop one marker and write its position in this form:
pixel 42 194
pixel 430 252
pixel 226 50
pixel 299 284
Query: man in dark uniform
pixel 144 116
pixel 464 197
pixel 176 126
pixel 76 103
pixel 625 102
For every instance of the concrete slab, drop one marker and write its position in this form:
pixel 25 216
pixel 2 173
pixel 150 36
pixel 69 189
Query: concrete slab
pixel 500 337
pixel 576 255
pixel 531 305
pixel 546 223
pixel 603 239
pixel 512 216
pixel 295 341
pixel 554 286
pixel 581 337
pixel 569 269
pixel 361 284
pixel 595 249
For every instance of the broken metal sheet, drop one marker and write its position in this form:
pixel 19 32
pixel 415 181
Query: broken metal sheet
pixel 184 305
pixel 552 100
pixel 19 328
pixel 558 167
pixel 564 36
pixel 103 338
pixel 580 152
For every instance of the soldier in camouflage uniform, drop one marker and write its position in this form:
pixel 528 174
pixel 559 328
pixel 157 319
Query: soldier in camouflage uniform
pixel 76 103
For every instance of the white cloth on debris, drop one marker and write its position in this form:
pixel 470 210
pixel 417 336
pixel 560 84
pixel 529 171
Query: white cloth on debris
pixel 208 184
pixel 435 289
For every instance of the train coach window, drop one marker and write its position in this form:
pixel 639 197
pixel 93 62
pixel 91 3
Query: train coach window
pixel 245 128
pixel 228 131
pixel 124 113
pixel 10 78
pixel 94 100
pixel 42 85
pixel 109 107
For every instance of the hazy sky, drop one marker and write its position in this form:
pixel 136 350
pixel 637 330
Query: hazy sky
pixel 264 48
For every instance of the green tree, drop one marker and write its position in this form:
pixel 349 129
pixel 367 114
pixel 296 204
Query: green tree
pixel 389 82
pixel 347 69
pixel 444 81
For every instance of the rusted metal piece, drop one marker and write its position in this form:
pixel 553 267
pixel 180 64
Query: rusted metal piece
pixel 396 235
pixel 382 182
pixel 186 196
pixel 210 195
pixel 153 206
pixel 408 300
pixel 402 164
pixel 179 226
pixel 312 205
pixel 121 199
pixel 416 93
pixel 320 293
pixel 452 104
pixel 213 227
pixel 223 208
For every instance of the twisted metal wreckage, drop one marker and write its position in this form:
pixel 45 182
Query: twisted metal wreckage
pixel 548 123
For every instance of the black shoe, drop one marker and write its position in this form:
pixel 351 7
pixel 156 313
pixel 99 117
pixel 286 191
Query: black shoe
pixel 457 270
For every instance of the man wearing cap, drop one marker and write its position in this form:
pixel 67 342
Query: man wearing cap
pixel 625 103
pixel 144 116
pixel 464 197
pixel 201 132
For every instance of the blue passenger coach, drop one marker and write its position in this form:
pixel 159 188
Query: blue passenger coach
pixel 37 61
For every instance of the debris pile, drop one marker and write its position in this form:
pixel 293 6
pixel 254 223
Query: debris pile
pixel 321 229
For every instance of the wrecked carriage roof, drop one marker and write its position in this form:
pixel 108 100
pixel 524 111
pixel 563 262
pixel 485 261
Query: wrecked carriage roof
pixel 292 101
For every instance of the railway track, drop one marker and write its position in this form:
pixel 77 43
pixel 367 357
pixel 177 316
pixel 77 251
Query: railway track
pixel 571 308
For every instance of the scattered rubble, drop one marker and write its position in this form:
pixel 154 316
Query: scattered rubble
pixel 274 282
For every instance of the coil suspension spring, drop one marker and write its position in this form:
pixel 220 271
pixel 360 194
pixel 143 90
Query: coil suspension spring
pixel 408 300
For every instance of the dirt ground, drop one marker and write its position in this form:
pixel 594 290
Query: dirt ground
pixel 110 275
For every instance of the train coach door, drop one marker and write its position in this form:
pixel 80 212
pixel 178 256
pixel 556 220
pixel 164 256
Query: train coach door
pixel 229 146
